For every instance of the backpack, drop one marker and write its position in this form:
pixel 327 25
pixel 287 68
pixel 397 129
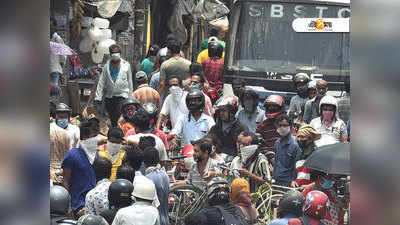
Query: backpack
pixel 301 221
pixel 229 219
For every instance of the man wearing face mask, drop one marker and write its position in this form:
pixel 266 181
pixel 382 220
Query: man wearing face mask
pixel 78 173
pixel 311 108
pixel 287 152
pixel 306 136
pixel 113 151
pixel 274 106
pixel 331 128
pixel 227 128
pixel 174 104
pixel 197 83
pixel 238 85
pixel 129 107
pixel 144 93
pixel 115 83
pixel 250 115
pixel 195 124
pixel 251 164
pixel 63 114
pixel 324 183
pixel 297 102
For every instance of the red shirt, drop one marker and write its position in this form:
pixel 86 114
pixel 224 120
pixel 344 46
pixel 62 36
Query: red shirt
pixel 268 130
pixel 213 69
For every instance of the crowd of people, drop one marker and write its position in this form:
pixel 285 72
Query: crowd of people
pixel 120 178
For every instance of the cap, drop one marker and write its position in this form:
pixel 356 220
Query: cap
pixel 141 76
pixel 213 39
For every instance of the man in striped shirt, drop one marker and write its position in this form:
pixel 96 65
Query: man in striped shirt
pixel 305 138
pixel 144 93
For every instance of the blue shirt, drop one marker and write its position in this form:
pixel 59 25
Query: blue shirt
pixel 82 178
pixel 285 160
pixel 154 81
pixel 114 71
pixel 161 182
pixel 282 221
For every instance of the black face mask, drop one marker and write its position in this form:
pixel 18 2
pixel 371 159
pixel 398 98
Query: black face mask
pixel 302 144
pixel 303 93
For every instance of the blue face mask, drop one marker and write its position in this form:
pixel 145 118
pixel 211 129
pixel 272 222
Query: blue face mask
pixel 327 184
pixel 63 123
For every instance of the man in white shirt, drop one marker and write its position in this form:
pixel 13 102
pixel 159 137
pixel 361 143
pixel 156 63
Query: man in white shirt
pixel 142 212
pixel 115 84
pixel 63 113
pixel 174 104
pixel 141 122
pixel 194 125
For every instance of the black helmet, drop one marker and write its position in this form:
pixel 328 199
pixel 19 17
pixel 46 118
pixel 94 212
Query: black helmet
pixel 218 190
pixel 301 78
pixel 247 92
pixel 291 203
pixel 59 200
pixel 193 94
pixel 119 193
pixel 151 109
pixel 62 107
pixel 126 102
pixel 90 219
pixel 215 49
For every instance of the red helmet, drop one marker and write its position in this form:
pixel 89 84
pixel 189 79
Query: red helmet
pixel 316 205
pixel 274 100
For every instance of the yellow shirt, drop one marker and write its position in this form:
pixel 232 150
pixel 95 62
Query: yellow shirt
pixel 204 55
pixel 116 164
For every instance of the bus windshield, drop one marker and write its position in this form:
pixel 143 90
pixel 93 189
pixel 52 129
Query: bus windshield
pixel 266 42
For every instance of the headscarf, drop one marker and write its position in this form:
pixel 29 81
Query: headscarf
pixel 307 130
pixel 238 185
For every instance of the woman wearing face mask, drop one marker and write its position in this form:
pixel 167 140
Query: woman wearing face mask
pixel 305 138
pixel 115 84
pixel 324 182
pixel 113 151
pixel 331 128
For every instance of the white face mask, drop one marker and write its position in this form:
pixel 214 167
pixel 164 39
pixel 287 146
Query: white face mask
pixel 283 131
pixel 90 147
pixel 176 93
pixel 115 57
pixel 247 152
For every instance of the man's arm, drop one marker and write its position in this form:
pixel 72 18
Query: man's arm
pixel 100 85
pixel 307 113
pixel 160 121
pixel 130 82
pixel 67 178
pixel 161 82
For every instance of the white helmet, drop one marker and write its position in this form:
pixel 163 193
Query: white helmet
pixel 328 100
pixel 312 84
pixel 144 188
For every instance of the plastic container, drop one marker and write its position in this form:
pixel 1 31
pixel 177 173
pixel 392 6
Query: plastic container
pixel 97 57
pixel 86 45
pixel 107 34
pixel 95 34
pixel 104 46
pixel 101 23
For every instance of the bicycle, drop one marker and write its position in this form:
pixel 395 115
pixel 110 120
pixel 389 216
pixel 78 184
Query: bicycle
pixel 267 199
pixel 183 200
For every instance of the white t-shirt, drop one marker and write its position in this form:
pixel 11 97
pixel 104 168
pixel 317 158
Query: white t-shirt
pixel 174 109
pixel 74 134
pixel 329 135
pixel 159 144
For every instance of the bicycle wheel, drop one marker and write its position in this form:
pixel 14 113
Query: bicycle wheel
pixel 184 200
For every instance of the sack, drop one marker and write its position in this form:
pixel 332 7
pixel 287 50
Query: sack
pixel 222 23
pixel 230 219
